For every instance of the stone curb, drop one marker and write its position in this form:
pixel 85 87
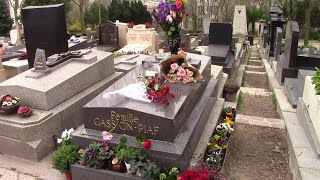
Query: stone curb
pixel 255 72
pixel 255 91
pixel 260 121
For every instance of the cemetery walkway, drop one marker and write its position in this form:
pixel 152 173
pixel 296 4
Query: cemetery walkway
pixel 258 147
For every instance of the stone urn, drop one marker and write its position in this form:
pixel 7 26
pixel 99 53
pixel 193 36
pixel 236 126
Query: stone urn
pixel 230 90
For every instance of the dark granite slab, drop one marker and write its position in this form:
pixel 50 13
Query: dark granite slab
pixel 313 60
pixel 220 33
pixel 291 44
pixel 133 117
pixel 80 172
pixel 167 154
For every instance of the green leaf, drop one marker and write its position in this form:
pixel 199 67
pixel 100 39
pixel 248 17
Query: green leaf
pixel 172 28
pixel 169 33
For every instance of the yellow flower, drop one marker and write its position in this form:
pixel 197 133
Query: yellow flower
pixel 216 137
pixel 209 144
pixel 184 1
pixel 229 121
pixel 229 113
pixel 217 146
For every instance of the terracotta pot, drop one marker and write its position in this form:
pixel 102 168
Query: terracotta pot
pixel 68 175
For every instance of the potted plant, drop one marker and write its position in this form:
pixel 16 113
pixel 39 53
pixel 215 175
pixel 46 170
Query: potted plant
pixel 230 90
pixel 170 175
pixel 169 15
pixel 66 155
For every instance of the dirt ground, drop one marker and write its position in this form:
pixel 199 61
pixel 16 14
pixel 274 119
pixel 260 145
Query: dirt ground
pixel 255 69
pixel 254 63
pixel 257 153
pixel 256 81
pixel 261 106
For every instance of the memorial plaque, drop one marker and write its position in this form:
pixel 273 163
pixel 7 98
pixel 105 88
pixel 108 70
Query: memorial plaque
pixel 220 33
pixel 40 60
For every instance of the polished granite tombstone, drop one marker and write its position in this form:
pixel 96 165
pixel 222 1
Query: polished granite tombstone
pixel 286 66
pixel 173 130
pixel 290 62
pixel 219 48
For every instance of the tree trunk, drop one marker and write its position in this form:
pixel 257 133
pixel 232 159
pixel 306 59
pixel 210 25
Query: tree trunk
pixel 81 18
pixel 194 19
pixel 307 22
pixel 16 21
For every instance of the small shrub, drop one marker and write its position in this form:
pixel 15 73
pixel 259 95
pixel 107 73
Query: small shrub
pixel 64 157
pixel 316 81
pixel 75 27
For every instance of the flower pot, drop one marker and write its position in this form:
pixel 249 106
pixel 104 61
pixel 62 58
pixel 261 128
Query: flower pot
pixel 174 43
pixel 68 175
pixel 11 109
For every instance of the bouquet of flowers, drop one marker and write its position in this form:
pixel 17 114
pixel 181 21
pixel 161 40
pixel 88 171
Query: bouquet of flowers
pixel 169 15
pixel 177 69
pixel 9 104
pixel 157 91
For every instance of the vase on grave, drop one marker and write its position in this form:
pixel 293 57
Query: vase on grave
pixel 174 42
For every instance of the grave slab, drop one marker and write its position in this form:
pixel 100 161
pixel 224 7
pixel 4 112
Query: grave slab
pixel 65 81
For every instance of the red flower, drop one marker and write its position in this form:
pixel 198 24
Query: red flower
pixel 146 144
pixel 178 4
pixel 194 175
pixel 8 99
pixel 24 111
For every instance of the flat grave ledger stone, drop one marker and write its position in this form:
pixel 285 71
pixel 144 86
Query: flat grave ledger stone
pixel 57 99
pixel 45 28
pixel 186 116
pixel 15 67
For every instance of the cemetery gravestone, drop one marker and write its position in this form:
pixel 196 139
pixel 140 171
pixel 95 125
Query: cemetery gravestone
pixel 277 46
pixel 108 37
pixel 45 28
pixel 277 20
pixel 206 23
pixel 219 49
pixel 132 117
pixel 286 67
pixel 240 21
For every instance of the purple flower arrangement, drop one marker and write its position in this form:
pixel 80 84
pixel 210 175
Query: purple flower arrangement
pixel 169 15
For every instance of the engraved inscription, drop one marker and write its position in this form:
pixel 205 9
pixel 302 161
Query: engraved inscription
pixel 125 122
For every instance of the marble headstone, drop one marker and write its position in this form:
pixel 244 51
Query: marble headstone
pixel 108 34
pixel 206 23
pixel 240 20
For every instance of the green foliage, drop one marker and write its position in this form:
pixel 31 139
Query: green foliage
pixel 240 101
pixel 148 169
pixel 310 46
pixel 75 27
pixel 64 157
pixel 96 155
pixel 316 81
pixel 170 175
pixel 67 3
pixel 126 153
pixel 254 14
pixel 92 14
pixel 5 20
pixel 123 11
pixel 274 98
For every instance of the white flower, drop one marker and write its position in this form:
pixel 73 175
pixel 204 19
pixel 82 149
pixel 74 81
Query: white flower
pixel 4 103
pixel 9 103
pixel 169 19
pixel 59 140
pixel 14 101
pixel 64 134
pixel 70 131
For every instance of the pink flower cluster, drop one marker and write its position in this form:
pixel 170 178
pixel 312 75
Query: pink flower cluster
pixel 180 73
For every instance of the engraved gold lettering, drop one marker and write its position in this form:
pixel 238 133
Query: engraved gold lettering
pixel 156 129
pixel 96 122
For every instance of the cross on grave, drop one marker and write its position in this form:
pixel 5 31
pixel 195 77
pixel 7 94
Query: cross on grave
pixel 64 57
